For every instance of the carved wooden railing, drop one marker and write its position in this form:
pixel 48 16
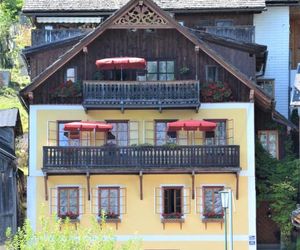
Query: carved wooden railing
pixel 140 157
pixel 167 94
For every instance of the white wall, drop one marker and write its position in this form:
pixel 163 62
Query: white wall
pixel 272 29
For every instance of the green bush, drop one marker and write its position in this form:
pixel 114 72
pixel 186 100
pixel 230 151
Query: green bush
pixel 63 235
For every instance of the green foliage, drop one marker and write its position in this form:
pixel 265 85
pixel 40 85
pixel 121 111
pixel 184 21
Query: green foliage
pixel 277 182
pixel 62 234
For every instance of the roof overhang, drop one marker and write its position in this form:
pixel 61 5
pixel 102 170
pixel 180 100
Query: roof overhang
pixel 74 19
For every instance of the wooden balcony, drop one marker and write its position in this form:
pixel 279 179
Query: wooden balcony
pixel 42 36
pixel 243 33
pixel 134 95
pixel 132 159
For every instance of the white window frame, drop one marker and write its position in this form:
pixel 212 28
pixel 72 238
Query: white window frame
pixel 161 198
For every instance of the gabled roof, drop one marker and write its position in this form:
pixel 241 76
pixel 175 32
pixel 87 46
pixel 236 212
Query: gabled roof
pixel 31 6
pixel 168 22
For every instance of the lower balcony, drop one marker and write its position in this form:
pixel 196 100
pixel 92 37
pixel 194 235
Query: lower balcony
pixel 132 159
pixel 138 94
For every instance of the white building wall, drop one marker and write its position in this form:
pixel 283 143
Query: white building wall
pixel 272 29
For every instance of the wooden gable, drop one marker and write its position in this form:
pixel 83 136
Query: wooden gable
pixel 142 15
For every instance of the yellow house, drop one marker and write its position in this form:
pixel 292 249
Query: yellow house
pixel 103 140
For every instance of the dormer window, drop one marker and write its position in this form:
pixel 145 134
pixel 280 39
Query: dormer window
pixel 71 74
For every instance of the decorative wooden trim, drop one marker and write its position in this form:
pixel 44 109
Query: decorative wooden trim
pixel 46 186
pixel 141 185
pixel 173 220
pixel 140 15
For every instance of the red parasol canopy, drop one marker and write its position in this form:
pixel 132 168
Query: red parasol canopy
pixel 121 63
pixel 88 126
pixel 191 125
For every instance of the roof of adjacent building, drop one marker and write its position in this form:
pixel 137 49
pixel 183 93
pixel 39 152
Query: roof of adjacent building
pixel 11 118
pixel 109 5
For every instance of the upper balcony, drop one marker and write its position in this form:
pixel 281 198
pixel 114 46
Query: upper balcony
pixel 141 94
pixel 243 33
pixel 44 36
pixel 132 159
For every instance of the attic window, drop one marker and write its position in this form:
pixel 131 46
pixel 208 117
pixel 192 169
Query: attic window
pixel 224 23
pixel 71 74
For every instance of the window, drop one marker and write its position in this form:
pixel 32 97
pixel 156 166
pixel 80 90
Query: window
pixel 162 136
pixel 224 23
pixel 218 136
pixel 71 74
pixel 67 138
pixel 68 202
pixel 109 202
pixel 212 73
pixel 119 134
pixel 48 33
pixel 160 70
pixel 212 204
pixel 172 202
pixel 269 140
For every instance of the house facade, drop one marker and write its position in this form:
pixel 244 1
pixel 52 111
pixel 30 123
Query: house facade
pixel 134 167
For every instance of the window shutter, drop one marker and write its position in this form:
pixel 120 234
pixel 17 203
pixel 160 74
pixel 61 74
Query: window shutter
pixel 52 133
pixel 199 200
pixel 149 133
pixel 230 132
pixel 186 200
pixel 133 133
pixel 94 201
pixel 158 201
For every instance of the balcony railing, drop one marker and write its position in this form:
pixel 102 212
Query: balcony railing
pixel 136 158
pixel 167 94
pixel 243 33
pixel 43 36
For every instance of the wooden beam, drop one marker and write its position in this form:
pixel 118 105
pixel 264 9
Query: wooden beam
pixel 46 186
pixel 237 185
pixel 88 185
pixel 141 185
pixel 193 185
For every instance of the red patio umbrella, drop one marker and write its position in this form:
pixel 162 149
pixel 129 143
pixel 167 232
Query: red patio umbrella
pixel 191 125
pixel 88 126
pixel 121 63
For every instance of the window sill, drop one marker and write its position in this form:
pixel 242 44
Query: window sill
pixel 172 220
pixel 71 221
pixel 115 221
pixel 213 220
pixel 77 220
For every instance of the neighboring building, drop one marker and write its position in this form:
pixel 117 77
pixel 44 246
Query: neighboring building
pixel 139 170
pixel 10 128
